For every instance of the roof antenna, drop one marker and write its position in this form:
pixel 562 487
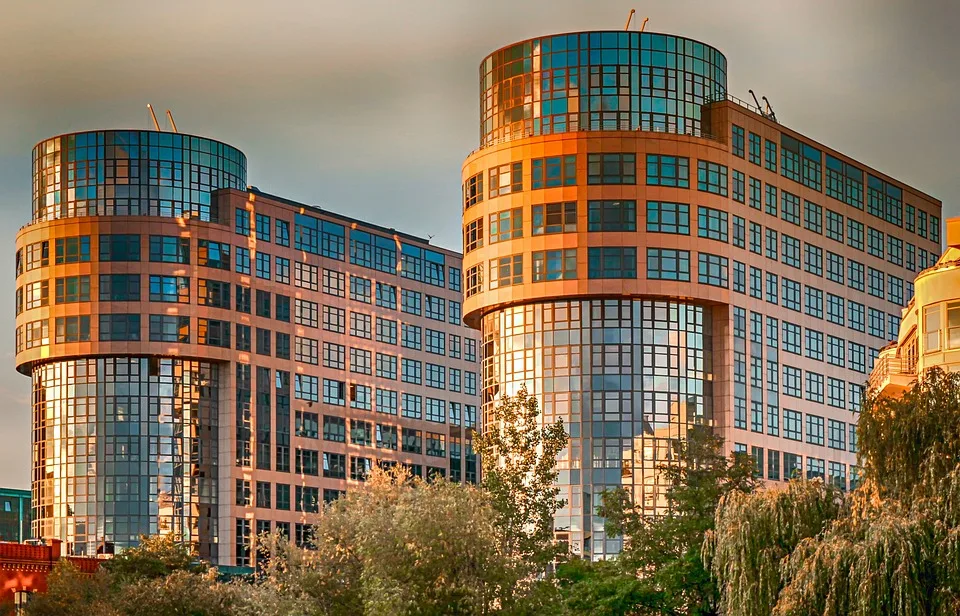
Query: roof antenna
pixel 644 24
pixel 153 117
pixel 173 124
pixel 629 19
pixel 770 113
pixel 759 106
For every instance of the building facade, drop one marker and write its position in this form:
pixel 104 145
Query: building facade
pixel 213 361
pixel 14 515
pixel 645 254
pixel 929 332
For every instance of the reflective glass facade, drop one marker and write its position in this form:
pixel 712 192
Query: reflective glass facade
pixel 598 81
pixel 14 515
pixel 627 377
pixel 125 446
pixel 138 173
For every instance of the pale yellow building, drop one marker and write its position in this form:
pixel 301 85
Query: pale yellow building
pixel 930 328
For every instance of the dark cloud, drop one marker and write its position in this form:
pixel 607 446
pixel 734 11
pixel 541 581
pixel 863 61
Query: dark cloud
pixel 369 107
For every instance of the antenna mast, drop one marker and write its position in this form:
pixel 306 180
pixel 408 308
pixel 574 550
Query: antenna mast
pixel 173 124
pixel 629 19
pixel 153 117
pixel 770 113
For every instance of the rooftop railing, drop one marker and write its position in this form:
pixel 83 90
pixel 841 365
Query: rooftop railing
pixel 889 365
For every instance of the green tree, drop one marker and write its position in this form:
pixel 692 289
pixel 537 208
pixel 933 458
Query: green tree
pixel 519 455
pixel 664 551
pixel 893 549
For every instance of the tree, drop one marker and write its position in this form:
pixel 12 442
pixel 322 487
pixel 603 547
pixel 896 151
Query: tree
pixel 664 551
pixel 397 545
pixel 519 455
pixel 894 547
pixel 154 557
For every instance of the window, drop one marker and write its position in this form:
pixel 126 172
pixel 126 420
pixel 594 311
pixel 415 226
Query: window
pixel 855 275
pixel 211 332
pixel 666 217
pixel 412 405
pixel 835 395
pixel 835 309
pixel 263 495
pixel 813 259
pixel 386 331
pixel 790 207
pixel 712 270
pixel 360 325
pixel 791 294
pixel 361 289
pixel 263 265
pixel 473 235
pixel 770 202
pixel 792 428
pixel 814 429
pixel 119 327
pixel 334 283
pixel 334 392
pixel 755 235
pixel 213 293
pixel 306 313
pixel 770 155
pixel 241 222
pixel 895 289
pixel 814 344
pixel 307 462
pixel 712 177
pixel 506 179
pixel 737 141
pixel 434 307
pixel 506 271
pixel 611 216
pixel 242 262
pixel 791 381
pixel 306 350
pixel 836 434
pixel 386 296
pixel 334 319
pixel 834 268
pixel 790 250
pixel 436 376
pixel 856 353
pixel 755 148
pixel 612 262
pixel 306 276
pixel 668 171
pixel 473 190
pixel 554 218
pixel 555 265
pixel 361 361
pixel 612 168
pixel 554 171
pixel 895 250
pixel 213 254
pixel 813 302
pixel 74 249
pixel 739 232
pixel 307 425
pixel 167 328
pixel 411 371
pixel 410 336
pixel 386 401
pixel 119 247
pixel 771 236
pixel 668 264
pixel 739 186
pixel 854 234
pixel 755 192
pixel 454 278
pixel 411 302
pixel 72 329
pixel 834 226
pixel 931 329
pixel 387 366
pixel 815 387
pixel 791 338
pixel 506 225
pixel 875 283
pixel 306 387
pixel 72 289
pixel 283 232
pixel 772 288
pixel 242 338
pixel 712 224
pixel 282 270
pixel 813 217
pixel 412 441
pixel 874 242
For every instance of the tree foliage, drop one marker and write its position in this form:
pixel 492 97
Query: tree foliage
pixel 519 455
pixel 893 547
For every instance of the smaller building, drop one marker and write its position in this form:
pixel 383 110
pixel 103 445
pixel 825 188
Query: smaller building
pixel 25 566
pixel 14 515
pixel 930 325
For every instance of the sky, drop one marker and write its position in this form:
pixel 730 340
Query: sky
pixel 369 107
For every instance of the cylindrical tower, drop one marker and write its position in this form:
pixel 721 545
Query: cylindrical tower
pixel 588 141
pixel 125 422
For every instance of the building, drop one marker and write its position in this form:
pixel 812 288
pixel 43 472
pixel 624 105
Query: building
pixel 14 515
pixel 214 361
pixel 25 567
pixel 929 332
pixel 646 253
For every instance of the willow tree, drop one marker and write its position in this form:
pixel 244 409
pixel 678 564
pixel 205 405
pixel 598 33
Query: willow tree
pixel 895 546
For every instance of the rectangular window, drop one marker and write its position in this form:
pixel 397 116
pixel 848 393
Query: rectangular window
pixel 790 207
pixel 668 264
pixel 666 217
pixel 609 216
pixel 554 218
pixel 169 328
pixel 737 141
pixel 792 428
pixel 814 429
pixel 755 149
pixel 611 262
pixel 213 254
pixel 554 171
pixel 306 276
pixel 712 270
pixel 386 331
pixel 72 329
pixel 612 168
pixel 739 186
pixel 813 217
pixel 473 190
pixel 74 249
pixel 756 188
pixel 119 327
pixel 506 225
pixel 712 224
pixel 854 234
pixel 770 155
pixel 712 177
pixel 119 247
pixel 211 332
pixel 555 265
pixel 671 171
pixel 506 179
pixel 506 271
pixel 72 289
pixel 386 296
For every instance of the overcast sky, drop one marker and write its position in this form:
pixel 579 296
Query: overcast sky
pixel 369 107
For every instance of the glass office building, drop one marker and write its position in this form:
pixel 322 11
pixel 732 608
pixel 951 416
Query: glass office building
pixel 645 254
pixel 214 362
pixel 14 515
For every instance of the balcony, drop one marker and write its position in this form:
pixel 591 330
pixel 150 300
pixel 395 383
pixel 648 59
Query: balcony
pixel 892 375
